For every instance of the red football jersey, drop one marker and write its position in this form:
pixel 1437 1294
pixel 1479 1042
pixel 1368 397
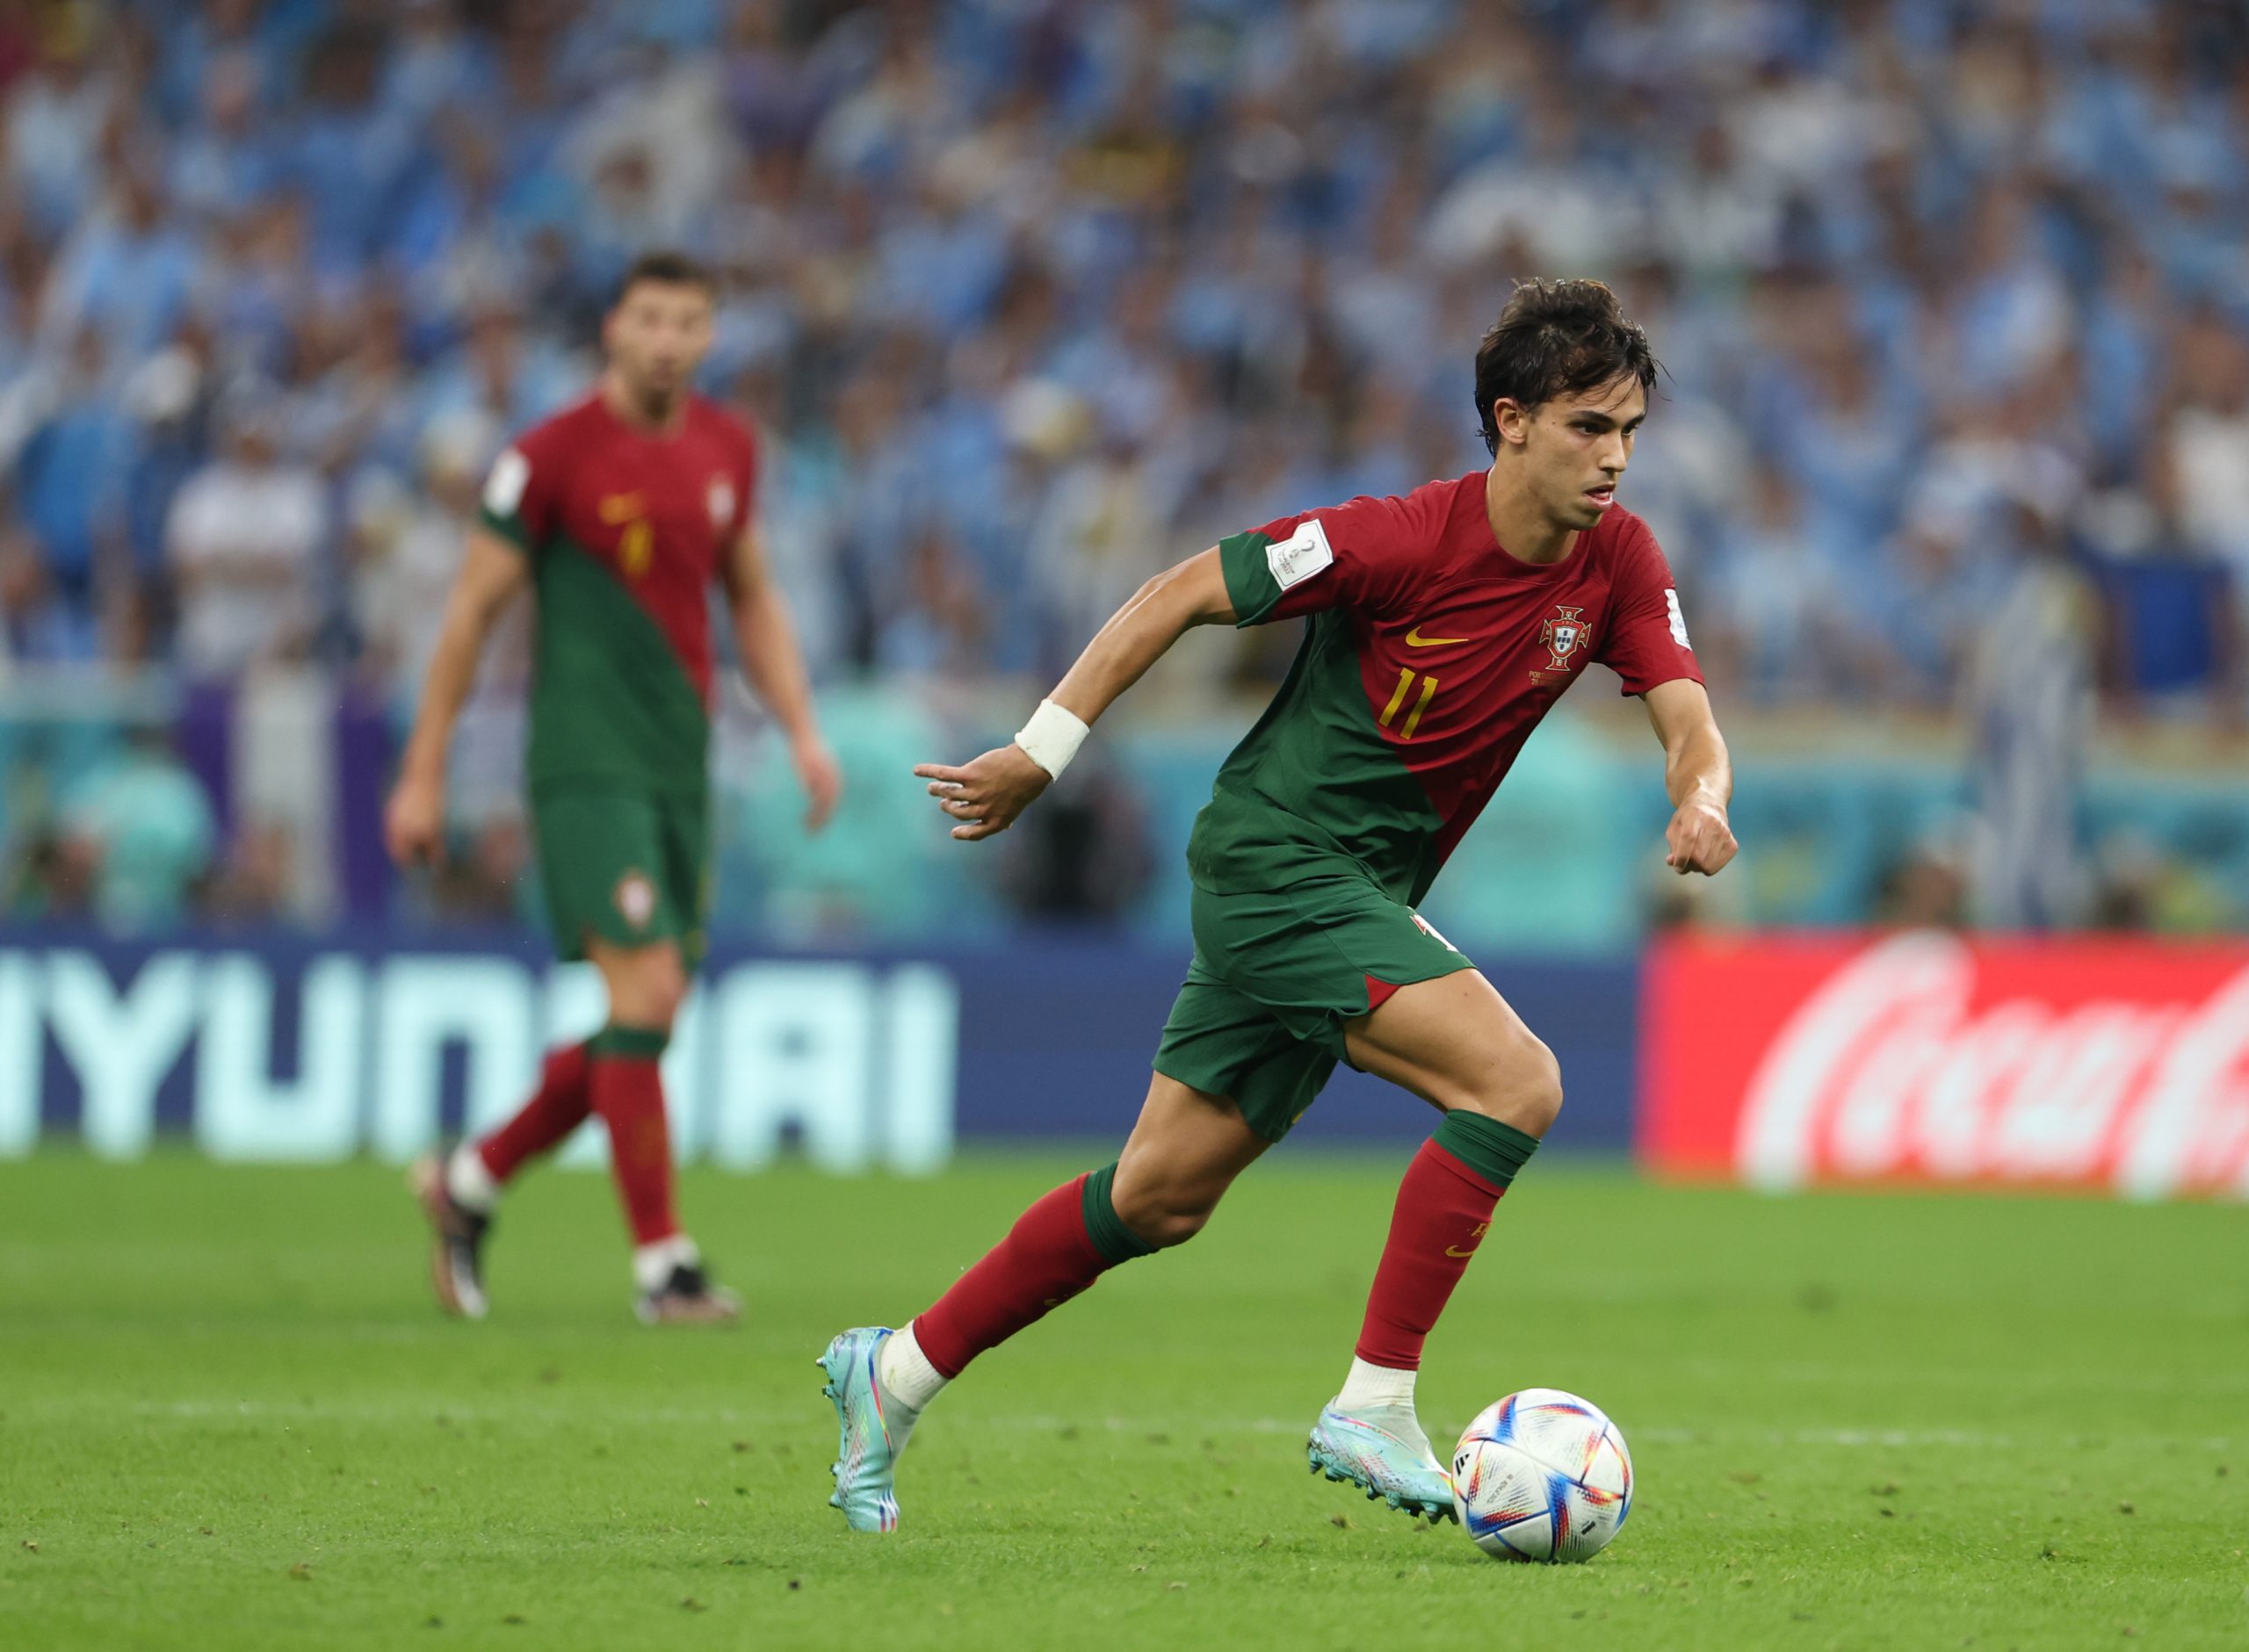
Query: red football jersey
pixel 1432 655
pixel 626 529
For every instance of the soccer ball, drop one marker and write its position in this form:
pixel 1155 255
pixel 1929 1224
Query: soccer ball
pixel 1541 1475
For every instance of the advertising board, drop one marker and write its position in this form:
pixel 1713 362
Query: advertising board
pixel 293 1048
pixel 2101 1065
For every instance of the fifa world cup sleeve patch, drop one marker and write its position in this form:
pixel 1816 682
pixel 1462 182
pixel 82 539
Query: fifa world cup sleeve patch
pixel 1430 930
pixel 1302 554
pixel 503 489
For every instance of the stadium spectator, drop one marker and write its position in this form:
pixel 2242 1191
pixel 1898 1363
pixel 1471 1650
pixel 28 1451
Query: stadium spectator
pixel 65 474
pixel 242 537
pixel 143 829
pixel 126 273
pixel 2207 442
pixel 1779 608
pixel 39 625
pixel 2030 680
pixel 407 544
pixel 56 114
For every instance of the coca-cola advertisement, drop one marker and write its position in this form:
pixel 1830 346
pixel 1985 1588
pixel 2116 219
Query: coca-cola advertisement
pixel 2107 1065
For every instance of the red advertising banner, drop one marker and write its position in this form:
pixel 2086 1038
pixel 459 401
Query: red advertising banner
pixel 2103 1065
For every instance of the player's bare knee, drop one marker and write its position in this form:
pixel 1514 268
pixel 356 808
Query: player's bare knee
pixel 647 990
pixel 657 1006
pixel 1174 1226
pixel 1164 1216
pixel 664 999
pixel 1522 1088
pixel 1538 1106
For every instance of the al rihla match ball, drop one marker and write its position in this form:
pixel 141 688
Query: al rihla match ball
pixel 1541 1475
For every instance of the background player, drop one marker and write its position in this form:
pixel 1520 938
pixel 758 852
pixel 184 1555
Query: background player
pixel 1443 625
pixel 620 512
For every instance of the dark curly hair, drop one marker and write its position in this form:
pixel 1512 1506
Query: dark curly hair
pixel 1557 338
pixel 666 268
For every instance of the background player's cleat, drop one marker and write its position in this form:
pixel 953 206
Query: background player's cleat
pixel 1384 1455
pixel 873 1430
pixel 687 1298
pixel 457 1247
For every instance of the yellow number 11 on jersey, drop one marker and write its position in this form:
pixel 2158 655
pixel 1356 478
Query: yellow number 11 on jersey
pixel 1405 686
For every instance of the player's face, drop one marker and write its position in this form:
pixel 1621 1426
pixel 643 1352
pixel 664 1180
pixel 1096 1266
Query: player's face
pixel 656 338
pixel 1574 448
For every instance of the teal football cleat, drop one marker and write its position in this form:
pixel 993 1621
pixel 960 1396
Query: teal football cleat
pixel 874 1430
pixel 1386 1454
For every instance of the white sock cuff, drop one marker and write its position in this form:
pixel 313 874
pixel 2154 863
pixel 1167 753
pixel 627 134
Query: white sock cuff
pixel 652 1264
pixel 468 1181
pixel 905 1371
pixel 1373 1386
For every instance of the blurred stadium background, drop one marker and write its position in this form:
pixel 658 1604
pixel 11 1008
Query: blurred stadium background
pixel 1026 301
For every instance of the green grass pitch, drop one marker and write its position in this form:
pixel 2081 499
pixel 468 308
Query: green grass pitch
pixel 230 1417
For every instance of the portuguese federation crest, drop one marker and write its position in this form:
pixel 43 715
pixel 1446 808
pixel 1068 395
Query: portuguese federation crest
pixel 1562 635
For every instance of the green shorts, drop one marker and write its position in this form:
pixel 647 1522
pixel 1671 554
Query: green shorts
pixel 1276 975
pixel 632 868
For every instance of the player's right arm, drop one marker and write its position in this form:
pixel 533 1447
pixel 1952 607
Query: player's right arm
pixel 983 796
pixel 492 572
pixel 1648 647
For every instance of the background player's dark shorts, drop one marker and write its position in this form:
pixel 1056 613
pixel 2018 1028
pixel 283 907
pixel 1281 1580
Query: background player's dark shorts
pixel 1276 975
pixel 631 868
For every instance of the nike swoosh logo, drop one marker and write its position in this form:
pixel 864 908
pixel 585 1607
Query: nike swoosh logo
pixel 1449 1251
pixel 1415 639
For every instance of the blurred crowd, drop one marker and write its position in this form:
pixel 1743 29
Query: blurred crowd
pixel 1031 297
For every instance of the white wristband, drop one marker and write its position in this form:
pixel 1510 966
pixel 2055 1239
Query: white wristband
pixel 1052 737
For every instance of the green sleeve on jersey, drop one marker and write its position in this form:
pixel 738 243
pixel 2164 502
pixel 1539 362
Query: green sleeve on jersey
pixel 1250 585
pixel 510 527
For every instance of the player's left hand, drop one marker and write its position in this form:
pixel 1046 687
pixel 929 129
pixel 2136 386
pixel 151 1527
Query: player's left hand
pixel 987 794
pixel 822 779
pixel 1698 839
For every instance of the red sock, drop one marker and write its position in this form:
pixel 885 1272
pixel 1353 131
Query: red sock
pixel 1047 1258
pixel 628 1092
pixel 1443 1208
pixel 557 1107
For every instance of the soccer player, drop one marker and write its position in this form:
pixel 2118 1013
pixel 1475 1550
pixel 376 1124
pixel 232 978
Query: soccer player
pixel 1442 626
pixel 619 512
